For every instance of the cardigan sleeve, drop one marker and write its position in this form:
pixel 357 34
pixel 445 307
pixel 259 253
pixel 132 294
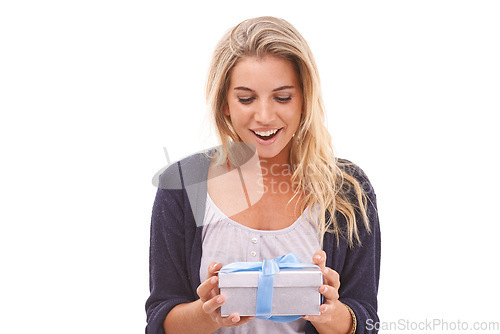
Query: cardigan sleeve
pixel 168 270
pixel 361 270
pixel 358 266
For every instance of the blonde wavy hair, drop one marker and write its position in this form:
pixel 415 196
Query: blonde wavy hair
pixel 316 173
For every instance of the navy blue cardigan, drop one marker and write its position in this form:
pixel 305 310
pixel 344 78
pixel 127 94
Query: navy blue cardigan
pixel 175 247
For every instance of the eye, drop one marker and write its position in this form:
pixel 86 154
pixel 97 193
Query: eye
pixel 283 99
pixel 246 101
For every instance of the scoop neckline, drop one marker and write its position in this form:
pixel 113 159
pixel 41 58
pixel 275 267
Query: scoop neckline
pixel 294 225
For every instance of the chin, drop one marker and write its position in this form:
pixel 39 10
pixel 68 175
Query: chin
pixel 269 153
pixel 267 156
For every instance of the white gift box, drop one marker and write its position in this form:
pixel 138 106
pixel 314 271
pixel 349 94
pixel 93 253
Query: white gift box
pixel 295 292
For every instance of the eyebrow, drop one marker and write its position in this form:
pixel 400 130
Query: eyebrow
pixel 274 90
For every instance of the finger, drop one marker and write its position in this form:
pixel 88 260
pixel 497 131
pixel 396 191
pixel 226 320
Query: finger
pixel 331 277
pixel 212 268
pixel 213 304
pixel 207 289
pixel 330 293
pixel 234 320
pixel 319 258
pixel 326 312
pixel 323 317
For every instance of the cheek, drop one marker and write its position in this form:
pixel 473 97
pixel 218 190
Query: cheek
pixel 238 119
pixel 294 112
pixel 239 113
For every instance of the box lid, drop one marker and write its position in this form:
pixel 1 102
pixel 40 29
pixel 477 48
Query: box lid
pixel 284 278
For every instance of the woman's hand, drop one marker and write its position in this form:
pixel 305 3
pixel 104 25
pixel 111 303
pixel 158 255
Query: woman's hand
pixel 332 307
pixel 208 292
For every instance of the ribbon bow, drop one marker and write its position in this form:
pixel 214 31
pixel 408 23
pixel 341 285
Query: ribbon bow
pixel 267 270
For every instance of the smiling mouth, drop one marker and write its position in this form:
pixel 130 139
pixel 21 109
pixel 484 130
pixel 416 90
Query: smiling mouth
pixel 266 137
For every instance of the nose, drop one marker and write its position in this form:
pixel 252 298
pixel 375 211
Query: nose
pixel 265 113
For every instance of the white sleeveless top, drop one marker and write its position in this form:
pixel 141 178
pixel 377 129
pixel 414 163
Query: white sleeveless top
pixel 227 241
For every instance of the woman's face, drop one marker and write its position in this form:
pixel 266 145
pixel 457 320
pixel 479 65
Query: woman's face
pixel 265 104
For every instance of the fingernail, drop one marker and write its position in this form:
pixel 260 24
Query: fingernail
pixel 215 265
pixel 324 289
pixel 317 257
pixel 306 317
pixel 234 319
pixel 326 308
pixel 325 271
pixel 213 280
pixel 220 300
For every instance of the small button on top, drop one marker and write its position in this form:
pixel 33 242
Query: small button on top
pixel 254 240
pixel 253 253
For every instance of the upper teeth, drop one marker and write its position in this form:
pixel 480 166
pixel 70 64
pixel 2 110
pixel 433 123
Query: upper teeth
pixel 266 133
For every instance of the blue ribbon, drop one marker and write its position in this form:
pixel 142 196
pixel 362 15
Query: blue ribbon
pixel 268 268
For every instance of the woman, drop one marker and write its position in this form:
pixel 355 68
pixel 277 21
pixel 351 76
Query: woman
pixel 240 202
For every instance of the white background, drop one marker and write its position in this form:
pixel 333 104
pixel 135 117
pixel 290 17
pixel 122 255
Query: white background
pixel 91 92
